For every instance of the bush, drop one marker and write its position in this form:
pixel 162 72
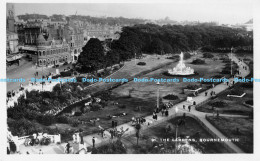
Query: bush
pixel 66 74
pixel 77 113
pixel 141 63
pixel 192 87
pixel 171 97
pixel 236 92
pixel 62 119
pixel 186 56
pixel 218 104
pixel 46 119
pixel 113 148
pixel 95 107
pixel 198 61
pixel 208 55
pixel 74 123
pixel 250 102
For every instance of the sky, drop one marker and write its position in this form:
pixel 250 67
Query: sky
pixel 222 11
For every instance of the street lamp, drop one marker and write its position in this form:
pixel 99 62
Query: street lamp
pixel 176 129
pixel 158 90
pixel 231 60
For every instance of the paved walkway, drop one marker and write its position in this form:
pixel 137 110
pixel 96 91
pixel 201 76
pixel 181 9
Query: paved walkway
pixel 200 115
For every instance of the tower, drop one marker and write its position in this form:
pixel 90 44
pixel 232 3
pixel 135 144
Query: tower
pixel 10 14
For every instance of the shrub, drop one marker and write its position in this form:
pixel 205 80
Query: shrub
pixel 62 119
pixel 208 55
pixel 46 119
pixel 250 102
pixel 192 87
pixel 218 104
pixel 198 61
pixel 95 107
pixel 236 92
pixel 66 74
pixel 186 56
pixel 75 123
pixel 170 97
pixel 77 113
pixel 141 63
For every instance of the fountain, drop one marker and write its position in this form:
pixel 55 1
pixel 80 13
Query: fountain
pixel 181 69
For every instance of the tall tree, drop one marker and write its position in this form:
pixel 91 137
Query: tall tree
pixel 92 57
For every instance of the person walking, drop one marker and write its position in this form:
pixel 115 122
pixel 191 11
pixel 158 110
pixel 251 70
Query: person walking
pixel 206 93
pixel 113 123
pixel 156 117
pixel 166 113
pixel 189 107
pixel 93 141
pixel 184 107
pixel 162 111
pixel 68 148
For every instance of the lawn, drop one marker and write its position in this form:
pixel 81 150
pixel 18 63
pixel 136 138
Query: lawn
pixel 190 129
pixel 228 126
pixel 134 94
pixel 233 105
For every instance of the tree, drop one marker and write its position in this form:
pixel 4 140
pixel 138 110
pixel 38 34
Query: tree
pixel 92 57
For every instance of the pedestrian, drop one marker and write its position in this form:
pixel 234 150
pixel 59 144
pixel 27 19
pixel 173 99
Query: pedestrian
pixel 166 113
pixel 154 115
pixel 68 148
pixel 206 93
pixel 93 141
pixel 40 151
pixel 74 138
pixel 183 107
pixel 189 107
pixel 194 103
pixel 211 93
pixel 113 123
pixel 162 111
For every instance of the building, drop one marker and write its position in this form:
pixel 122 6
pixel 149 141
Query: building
pixel 49 52
pixel 11 43
pixel 10 14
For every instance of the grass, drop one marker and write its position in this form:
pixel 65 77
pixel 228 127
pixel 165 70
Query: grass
pixel 228 125
pixel 142 94
pixel 158 132
pixel 230 105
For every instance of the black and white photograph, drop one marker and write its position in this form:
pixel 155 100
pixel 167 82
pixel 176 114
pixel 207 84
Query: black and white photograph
pixel 160 77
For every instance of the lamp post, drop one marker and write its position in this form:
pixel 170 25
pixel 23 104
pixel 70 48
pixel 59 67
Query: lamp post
pixel 231 61
pixel 176 134
pixel 158 94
